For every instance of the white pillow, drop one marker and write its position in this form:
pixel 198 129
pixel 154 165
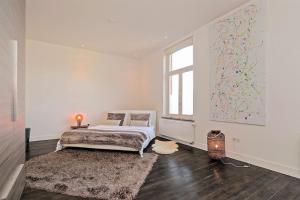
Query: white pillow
pixel 112 122
pixel 138 123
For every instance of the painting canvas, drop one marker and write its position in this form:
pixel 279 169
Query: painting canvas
pixel 237 76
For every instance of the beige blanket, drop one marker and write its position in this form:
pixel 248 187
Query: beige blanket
pixel 132 139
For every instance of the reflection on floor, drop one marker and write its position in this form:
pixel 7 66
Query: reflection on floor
pixel 190 175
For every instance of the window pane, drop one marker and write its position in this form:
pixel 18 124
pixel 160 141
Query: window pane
pixel 181 58
pixel 187 93
pixel 174 94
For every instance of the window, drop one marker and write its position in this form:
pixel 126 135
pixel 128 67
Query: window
pixel 179 81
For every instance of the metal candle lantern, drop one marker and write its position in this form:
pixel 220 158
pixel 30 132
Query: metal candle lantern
pixel 216 144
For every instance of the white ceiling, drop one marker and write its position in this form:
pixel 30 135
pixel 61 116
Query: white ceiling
pixel 131 28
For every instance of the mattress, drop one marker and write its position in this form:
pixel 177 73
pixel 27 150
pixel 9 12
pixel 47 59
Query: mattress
pixel 126 138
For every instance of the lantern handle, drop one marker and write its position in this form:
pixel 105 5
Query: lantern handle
pixel 215 136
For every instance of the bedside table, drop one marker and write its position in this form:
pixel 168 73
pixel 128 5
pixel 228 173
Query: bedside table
pixel 81 126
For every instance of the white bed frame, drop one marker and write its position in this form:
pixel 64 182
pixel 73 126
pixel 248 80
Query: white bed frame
pixel 106 147
pixel 152 123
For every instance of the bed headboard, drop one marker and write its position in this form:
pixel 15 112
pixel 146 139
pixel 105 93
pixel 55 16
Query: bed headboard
pixel 152 113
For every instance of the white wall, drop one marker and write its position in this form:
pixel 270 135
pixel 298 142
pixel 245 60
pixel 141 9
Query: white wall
pixel 275 146
pixel 63 81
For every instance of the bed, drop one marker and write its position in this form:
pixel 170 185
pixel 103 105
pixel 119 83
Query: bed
pixel 130 136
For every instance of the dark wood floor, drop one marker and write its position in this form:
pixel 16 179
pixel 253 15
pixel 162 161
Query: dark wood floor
pixel 190 175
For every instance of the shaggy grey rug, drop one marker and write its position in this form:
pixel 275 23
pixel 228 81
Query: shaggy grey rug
pixel 90 174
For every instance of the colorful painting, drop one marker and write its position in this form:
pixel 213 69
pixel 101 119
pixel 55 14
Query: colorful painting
pixel 237 78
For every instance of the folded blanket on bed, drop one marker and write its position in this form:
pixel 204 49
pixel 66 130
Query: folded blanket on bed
pixel 132 139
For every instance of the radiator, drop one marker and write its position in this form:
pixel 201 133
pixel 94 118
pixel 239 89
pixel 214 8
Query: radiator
pixel 177 129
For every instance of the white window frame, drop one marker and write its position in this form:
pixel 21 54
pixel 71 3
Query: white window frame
pixel 168 73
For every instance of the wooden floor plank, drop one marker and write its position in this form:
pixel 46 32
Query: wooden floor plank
pixel 290 191
pixel 189 174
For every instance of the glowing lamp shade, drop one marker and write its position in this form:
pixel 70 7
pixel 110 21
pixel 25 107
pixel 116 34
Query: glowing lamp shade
pixel 216 144
pixel 79 118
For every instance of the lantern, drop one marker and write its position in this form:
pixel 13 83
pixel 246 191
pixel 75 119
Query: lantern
pixel 216 144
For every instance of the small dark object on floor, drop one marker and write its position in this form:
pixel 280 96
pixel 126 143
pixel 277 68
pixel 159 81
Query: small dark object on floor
pixel 27 138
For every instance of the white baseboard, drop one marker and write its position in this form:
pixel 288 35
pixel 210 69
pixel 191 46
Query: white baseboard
pixel 277 167
pixel 43 137
pixel 254 161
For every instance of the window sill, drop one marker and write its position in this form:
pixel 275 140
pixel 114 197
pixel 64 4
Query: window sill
pixel 178 119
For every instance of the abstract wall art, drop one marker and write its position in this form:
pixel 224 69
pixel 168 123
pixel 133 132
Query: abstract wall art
pixel 237 58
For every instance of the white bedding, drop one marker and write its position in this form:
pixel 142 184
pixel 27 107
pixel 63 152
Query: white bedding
pixel 148 131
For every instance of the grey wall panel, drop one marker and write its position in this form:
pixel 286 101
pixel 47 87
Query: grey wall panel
pixel 12 82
